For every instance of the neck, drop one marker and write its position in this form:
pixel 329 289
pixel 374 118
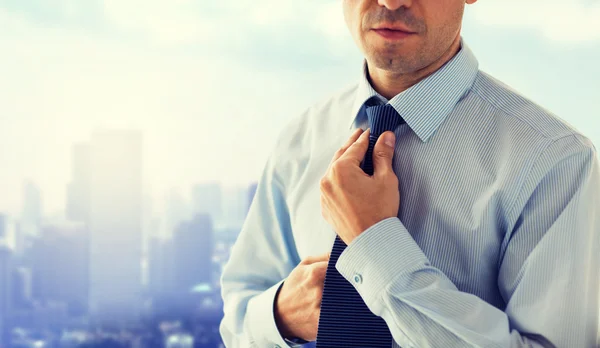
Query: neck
pixel 389 84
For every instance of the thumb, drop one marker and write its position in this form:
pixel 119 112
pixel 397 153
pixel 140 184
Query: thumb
pixel 383 152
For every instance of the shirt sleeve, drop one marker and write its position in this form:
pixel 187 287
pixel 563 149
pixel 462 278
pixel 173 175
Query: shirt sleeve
pixel 548 271
pixel 261 258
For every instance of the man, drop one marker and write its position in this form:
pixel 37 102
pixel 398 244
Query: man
pixel 478 227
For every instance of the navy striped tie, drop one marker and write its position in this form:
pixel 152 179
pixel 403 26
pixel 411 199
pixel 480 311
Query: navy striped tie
pixel 345 319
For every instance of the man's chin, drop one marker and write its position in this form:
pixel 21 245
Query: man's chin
pixel 392 51
pixel 398 60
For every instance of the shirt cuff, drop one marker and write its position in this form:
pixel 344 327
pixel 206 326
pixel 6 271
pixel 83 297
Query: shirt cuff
pixel 261 316
pixel 377 256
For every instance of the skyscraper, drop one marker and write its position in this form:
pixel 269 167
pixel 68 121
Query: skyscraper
pixel 9 233
pixel 235 205
pixel 116 225
pixel 78 189
pixel 160 266
pixel 32 213
pixel 21 287
pixel 61 265
pixel 5 276
pixel 207 199
pixel 193 244
pixel 177 211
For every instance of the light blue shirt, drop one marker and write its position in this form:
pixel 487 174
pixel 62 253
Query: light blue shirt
pixel 497 240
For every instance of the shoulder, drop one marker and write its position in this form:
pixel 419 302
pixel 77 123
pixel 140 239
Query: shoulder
pixel 302 127
pixel 542 149
pixel 530 126
pixel 520 110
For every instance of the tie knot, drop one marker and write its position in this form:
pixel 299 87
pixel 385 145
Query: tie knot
pixel 383 118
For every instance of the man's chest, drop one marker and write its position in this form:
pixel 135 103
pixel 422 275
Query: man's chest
pixel 453 201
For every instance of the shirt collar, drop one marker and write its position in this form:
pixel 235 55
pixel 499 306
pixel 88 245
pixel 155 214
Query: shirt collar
pixel 425 105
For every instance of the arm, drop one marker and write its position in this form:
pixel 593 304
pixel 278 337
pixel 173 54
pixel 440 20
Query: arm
pixel 263 255
pixel 548 274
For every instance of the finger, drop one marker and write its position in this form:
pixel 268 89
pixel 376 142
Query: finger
pixel 357 151
pixel 320 269
pixel 383 154
pixel 316 258
pixel 348 143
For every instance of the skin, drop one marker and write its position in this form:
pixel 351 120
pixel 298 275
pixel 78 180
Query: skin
pixel 395 66
pixel 351 200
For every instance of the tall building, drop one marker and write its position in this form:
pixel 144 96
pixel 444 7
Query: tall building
pixel 5 284
pixel 177 211
pixel 24 236
pixel 160 266
pixel 151 228
pixel 61 266
pixel 193 244
pixel 116 225
pixel 32 203
pixel 78 189
pixel 21 287
pixel 9 233
pixel 207 199
pixel 235 205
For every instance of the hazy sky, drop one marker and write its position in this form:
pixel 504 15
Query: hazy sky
pixel 214 81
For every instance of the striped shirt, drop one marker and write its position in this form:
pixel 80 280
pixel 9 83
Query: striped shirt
pixel 497 239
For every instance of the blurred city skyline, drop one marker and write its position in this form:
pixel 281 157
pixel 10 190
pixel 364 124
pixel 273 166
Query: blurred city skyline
pixel 111 272
pixel 227 204
pixel 211 82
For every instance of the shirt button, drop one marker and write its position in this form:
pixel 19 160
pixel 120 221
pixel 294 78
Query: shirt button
pixel 357 278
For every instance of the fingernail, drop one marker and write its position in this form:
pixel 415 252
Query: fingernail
pixel 389 139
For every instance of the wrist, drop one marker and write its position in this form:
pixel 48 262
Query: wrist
pixel 282 327
pixel 278 313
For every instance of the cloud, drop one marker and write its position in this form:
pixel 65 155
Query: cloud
pixel 236 23
pixel 561 21
pixel 167 22
pixel 187 21
pixel 305 34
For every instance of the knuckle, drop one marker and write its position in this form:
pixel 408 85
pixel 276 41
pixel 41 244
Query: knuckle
pixel 381 153
pixel 312 273
pixel 316 272
pixel 337 168
pixel 337 173
pixel 390 178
